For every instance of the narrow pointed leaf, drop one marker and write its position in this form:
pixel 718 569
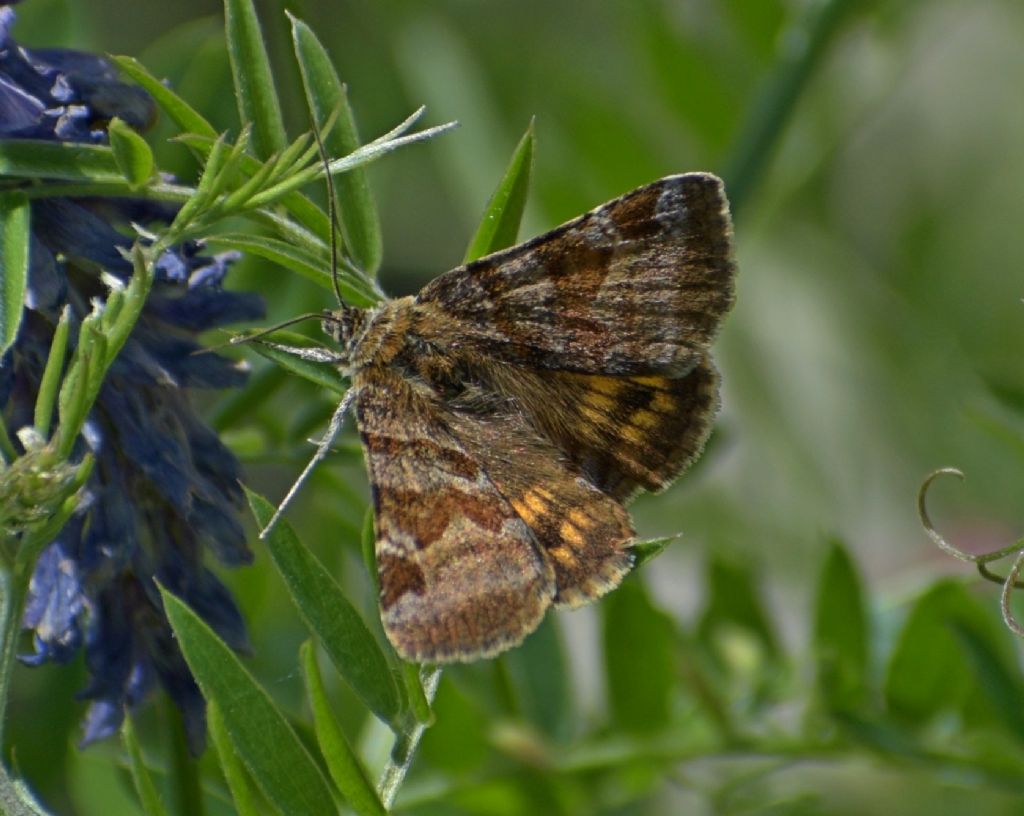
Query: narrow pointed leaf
pixel 504 212
pixel 184 115
pixel 297 259
pixel 348 642
pixel 644 551
pixel 999 685
pixel 50 382
pixel 234 772
pixel 259 732
pixel 929 671
pixel 14 242
pixel 638 634
pixel 346 770
pixel 325 95
pixel 840 632
pixel 254 81
pixel 144 787
pixel 371 151
pixel 70 161
pixel 540 679
pixel 735 602
pixel 305 211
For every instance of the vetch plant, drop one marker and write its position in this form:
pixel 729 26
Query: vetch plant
pixel 112 490
pixel 110 476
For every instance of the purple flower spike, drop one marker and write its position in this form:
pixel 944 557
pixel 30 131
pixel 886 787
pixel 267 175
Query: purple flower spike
pixel 164 492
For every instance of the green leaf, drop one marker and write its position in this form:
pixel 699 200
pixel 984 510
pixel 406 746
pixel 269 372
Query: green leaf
pixel 181 113
pixel 639 644
pixel 879 734
pixel 369 152
pixel 382 145
pixel 644 551
pixel 802 49
pixel 144 786
pixel 234 772
pixel 298 259
pixel 929 671
pixel 734 608
pixel 346 639
pixel 304 211
pixel 998 681
pixel 325 95
pixel 540 681
pixel 131 152
pixel 504 212
pixel 236 408
pixel 840 632
pixel 734 603
pixel 254 81
pixel 15 216
pixel 72 398
pixel 346 771
pixel 221 172
pixel 275 756
pixel 70 161
pixel 182 780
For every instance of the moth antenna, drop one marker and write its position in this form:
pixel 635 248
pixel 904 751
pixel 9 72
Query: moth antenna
pixel 248 338
pixel 322 449
pixel 332 210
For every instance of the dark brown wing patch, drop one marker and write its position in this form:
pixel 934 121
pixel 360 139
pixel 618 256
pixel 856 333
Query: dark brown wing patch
pixel 621 433
pixel 637 432
pixel 635 287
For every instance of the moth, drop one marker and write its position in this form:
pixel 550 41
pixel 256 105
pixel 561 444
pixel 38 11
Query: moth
pixel 510 410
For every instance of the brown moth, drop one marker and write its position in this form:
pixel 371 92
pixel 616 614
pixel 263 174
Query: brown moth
pixel 511 409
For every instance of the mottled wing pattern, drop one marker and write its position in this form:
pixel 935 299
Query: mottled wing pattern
pixel 461 576
pixel 583 532
pixel 625 433
pixel 636 287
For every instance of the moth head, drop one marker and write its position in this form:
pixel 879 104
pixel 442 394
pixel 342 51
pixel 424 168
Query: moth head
pixel 345 325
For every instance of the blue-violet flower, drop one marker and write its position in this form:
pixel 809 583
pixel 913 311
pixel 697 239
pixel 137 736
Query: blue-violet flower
pixel 164 489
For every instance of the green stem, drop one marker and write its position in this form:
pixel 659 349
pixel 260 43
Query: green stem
pixel 803 47
pixel 653 752
pixel 186 790
pixel 419 703
pixel 13 589
pixel 7 450
pixel 14 582
pixel 395 771
pixel 154 192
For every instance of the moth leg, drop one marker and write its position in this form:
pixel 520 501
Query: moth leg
pixel 313 354
pixel 322 449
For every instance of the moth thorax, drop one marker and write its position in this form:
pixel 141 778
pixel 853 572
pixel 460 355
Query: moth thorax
pixel 345 325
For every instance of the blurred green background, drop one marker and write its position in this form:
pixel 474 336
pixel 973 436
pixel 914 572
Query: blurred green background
pixel 876 336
